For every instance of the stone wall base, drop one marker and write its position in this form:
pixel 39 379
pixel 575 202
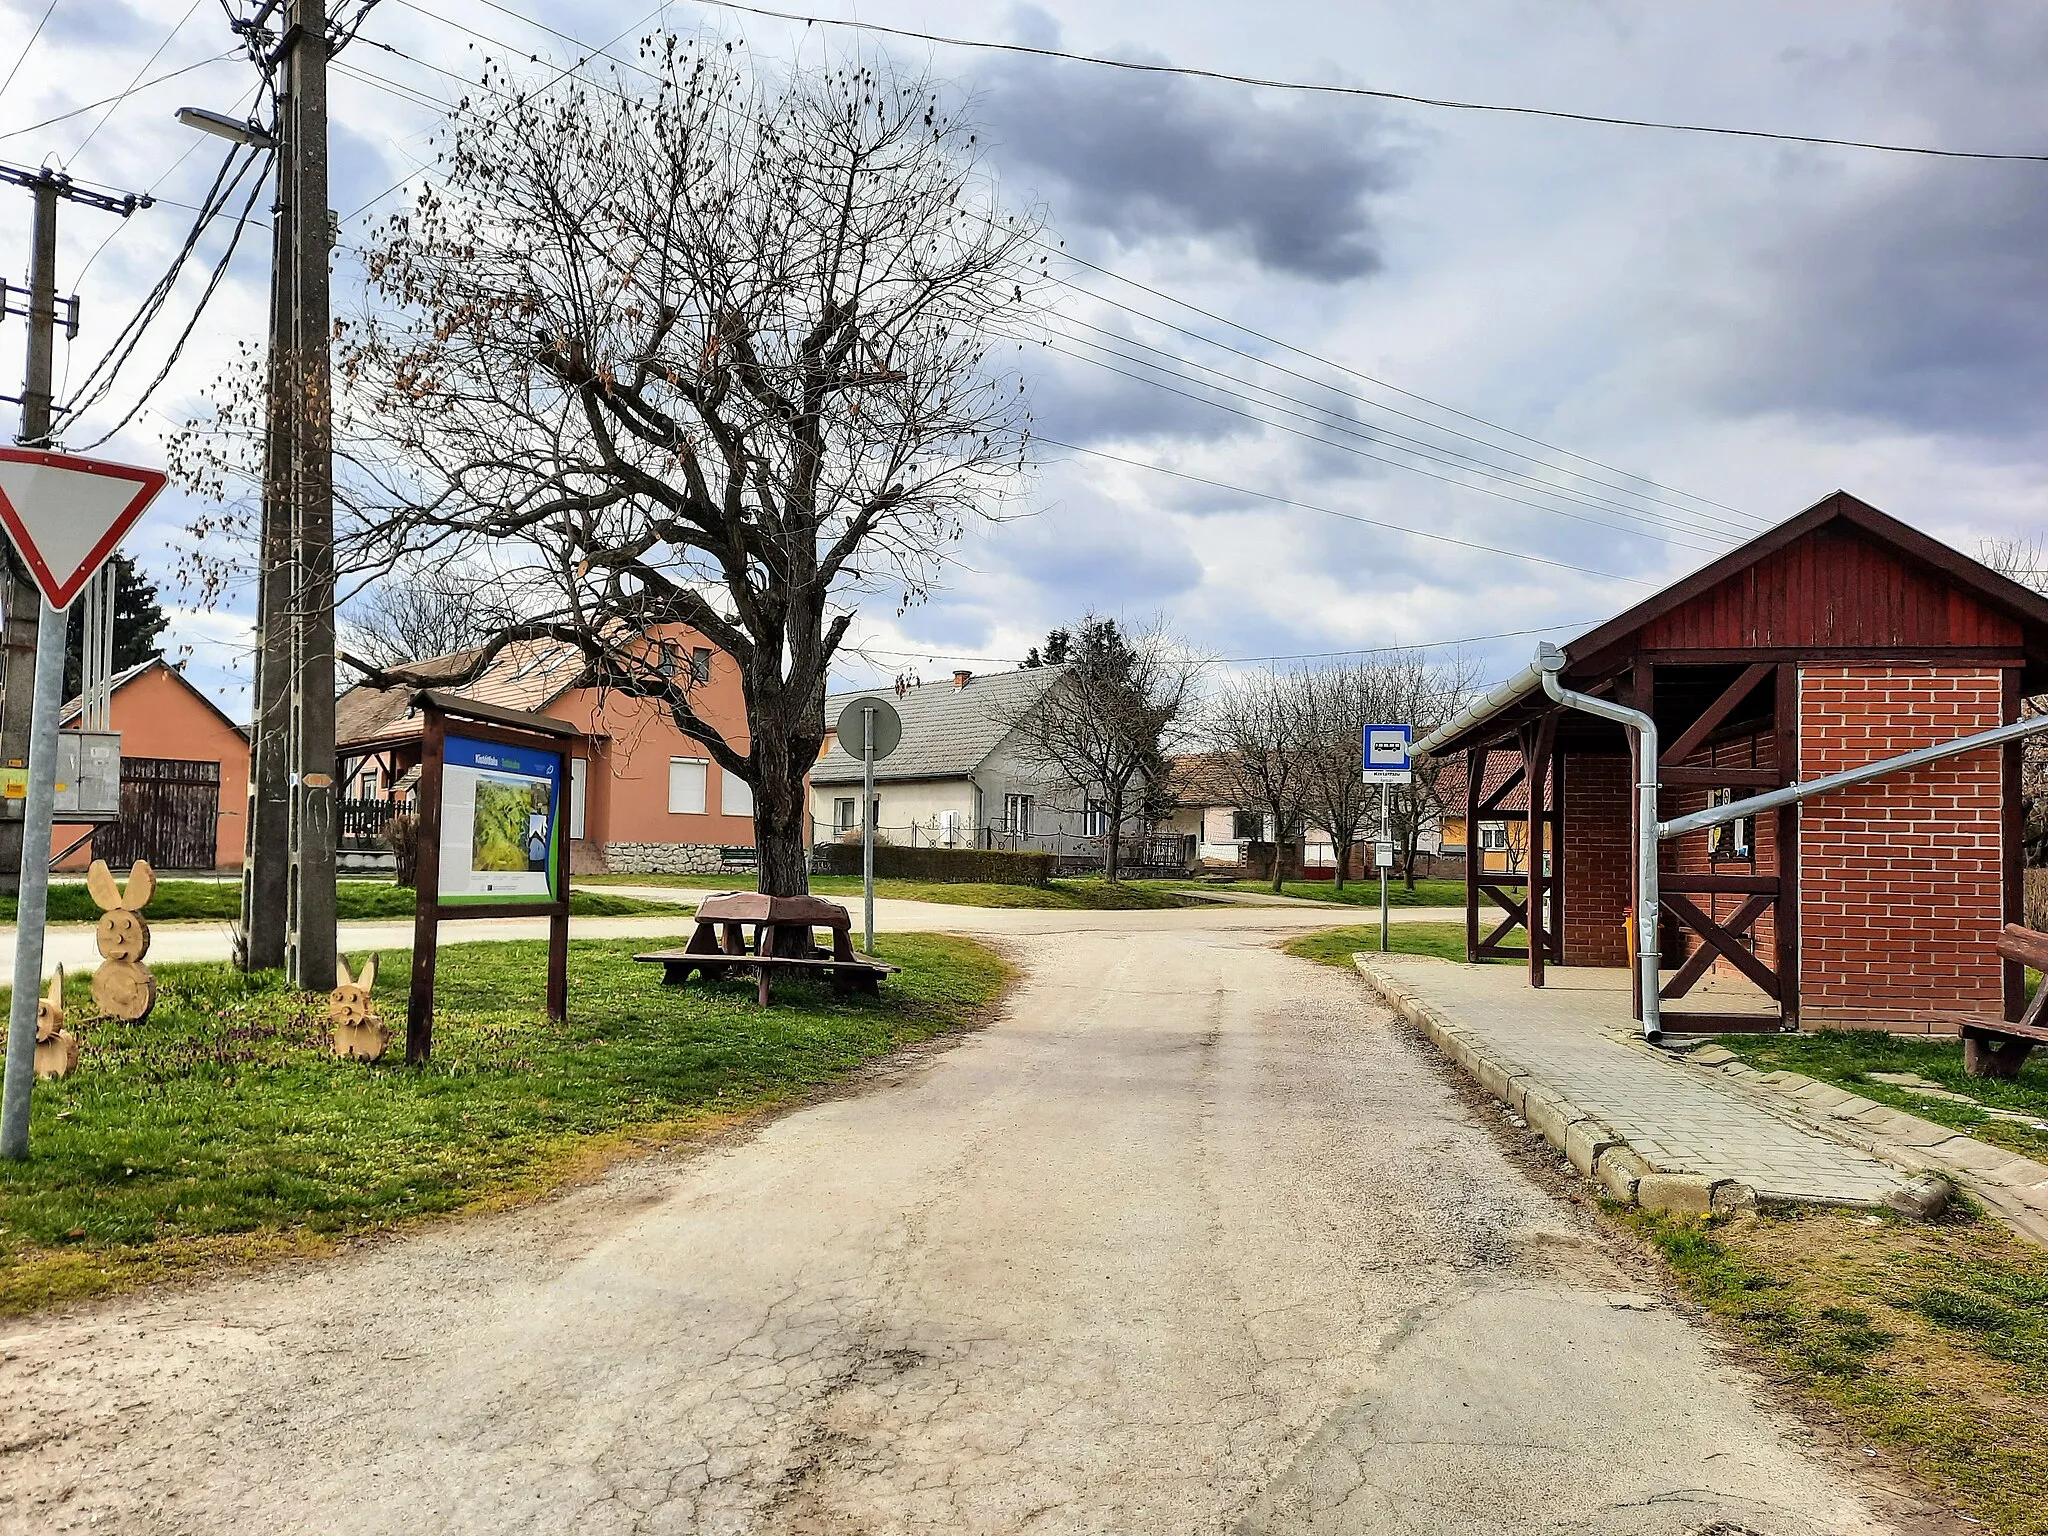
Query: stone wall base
pixel 664 859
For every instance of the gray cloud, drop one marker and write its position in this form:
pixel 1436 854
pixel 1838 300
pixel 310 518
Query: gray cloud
pixel 1145 157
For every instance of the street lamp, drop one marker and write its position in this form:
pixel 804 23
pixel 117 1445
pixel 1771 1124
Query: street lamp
pixel 221 126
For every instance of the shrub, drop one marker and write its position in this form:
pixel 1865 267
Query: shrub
pixel 402 837
pixel 952 866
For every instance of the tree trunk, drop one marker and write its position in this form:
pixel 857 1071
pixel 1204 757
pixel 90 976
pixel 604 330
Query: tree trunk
pixel 1343 852
pixel 1112 843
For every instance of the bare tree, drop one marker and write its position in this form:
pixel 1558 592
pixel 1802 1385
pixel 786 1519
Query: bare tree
pixel 1253 727
pixel 412 614
pixel 718 357
pixel 2024 561
pixel 1109 723
pixel 1333 706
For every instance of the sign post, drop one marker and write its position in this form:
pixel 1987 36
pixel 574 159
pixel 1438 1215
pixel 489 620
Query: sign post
pixel 1387 765
pixel 494 837
pixel 877 729
pixel 65 515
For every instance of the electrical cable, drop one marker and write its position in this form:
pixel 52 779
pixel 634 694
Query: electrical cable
pixel 22 57
pixel 1310 88
pixel 133 90
pixel 132 84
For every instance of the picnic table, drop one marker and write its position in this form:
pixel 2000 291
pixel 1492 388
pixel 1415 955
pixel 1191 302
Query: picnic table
pixel 1994 1047
pixel 723 943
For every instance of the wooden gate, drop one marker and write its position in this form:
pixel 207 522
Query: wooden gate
pixel 170 810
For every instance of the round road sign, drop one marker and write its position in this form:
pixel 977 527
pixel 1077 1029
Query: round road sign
pixel 852 727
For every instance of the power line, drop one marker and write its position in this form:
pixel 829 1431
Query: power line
pixel 1310 88
pixel 1349 517
pixel 132 84
pixel 22 57
pixel 139 86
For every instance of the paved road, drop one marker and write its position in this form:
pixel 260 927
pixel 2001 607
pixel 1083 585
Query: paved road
pixel 1192 1241
pixel 71 944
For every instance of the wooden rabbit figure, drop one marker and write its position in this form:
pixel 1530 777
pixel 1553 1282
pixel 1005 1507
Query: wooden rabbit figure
pixel 122 987
pixel 358 1032
pixel 56 1046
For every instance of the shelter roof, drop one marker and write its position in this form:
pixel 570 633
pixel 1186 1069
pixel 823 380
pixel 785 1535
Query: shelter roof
pixel 949 729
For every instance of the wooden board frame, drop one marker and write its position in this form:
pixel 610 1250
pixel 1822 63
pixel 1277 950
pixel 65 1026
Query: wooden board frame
pixel 506 728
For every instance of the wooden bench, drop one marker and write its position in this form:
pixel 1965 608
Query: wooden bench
pixel 1994 1048
pixel 721 945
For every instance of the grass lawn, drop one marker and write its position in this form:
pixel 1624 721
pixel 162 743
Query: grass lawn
pixel 1930 1341
pixel 223 1129
pixel 197 900
pixel 1356 893
pixel 1336 946
pixel 1081 894
pixel 1847 1057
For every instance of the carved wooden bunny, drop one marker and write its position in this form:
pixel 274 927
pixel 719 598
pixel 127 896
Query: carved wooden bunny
pixel 56 1046
pixel 122 987
pixel 358 1032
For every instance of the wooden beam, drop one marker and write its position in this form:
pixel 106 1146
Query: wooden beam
pixel 1536 754
pixel 1724 941
pixel 2012 833
pixel 1475 765
pixel 1716 712
pixel 1785 923
pixel 1488 806
pixel 1719 885
pixel 1718 777
pixel 1683 1022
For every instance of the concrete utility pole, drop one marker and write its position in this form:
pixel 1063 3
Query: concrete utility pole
pixel 288 883
pixel 37 682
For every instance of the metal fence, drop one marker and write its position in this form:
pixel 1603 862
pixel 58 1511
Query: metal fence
pixel 1073 853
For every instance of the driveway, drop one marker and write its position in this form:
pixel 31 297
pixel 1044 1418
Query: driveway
pixel 1193 1240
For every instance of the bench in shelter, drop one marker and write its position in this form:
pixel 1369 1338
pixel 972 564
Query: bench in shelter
pixel 1994 1048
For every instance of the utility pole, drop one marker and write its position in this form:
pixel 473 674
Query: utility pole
pixel 41 689
pixel 288 881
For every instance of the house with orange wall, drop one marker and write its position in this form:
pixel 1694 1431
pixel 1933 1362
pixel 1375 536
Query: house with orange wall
pixel 648 800
pixel 184 778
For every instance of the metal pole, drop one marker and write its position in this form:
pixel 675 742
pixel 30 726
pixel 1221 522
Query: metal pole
pixel 1386 836
pixel 867 827
pixel 33 902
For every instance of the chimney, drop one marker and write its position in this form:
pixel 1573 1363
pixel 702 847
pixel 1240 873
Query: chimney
pixel 962 678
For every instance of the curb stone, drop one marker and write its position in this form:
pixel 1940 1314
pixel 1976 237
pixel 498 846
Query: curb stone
pixel 1592 1148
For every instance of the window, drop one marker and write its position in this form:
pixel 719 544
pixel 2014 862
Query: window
pixel 1493 837
pixel 700 665
pixel 735 795
pixel 686 786
pixel 1017 814
pixel 1095 820
pixel 842 814
pixel 1247 826
pixel 368 787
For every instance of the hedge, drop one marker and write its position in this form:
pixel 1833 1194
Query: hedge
pixel 977 866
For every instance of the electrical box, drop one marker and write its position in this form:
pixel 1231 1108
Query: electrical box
pixel 88 776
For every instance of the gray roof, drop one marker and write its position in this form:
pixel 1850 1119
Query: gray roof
pixel 948 731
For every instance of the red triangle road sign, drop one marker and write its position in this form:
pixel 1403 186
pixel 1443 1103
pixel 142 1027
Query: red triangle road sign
pixel 66 514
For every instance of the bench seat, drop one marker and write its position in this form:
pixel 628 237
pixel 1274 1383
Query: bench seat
pixel 850 975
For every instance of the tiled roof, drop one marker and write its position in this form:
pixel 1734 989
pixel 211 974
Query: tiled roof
pixel 948 731
pixel 1450 783
pixel 527 674
pixel 1201 779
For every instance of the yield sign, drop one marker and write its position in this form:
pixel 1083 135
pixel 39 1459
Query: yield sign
pixel 66 514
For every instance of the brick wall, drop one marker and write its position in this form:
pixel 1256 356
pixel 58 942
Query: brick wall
pixel 1899 897
pixel 1599 863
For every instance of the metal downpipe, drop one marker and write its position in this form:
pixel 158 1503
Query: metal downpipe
pixel 1549 662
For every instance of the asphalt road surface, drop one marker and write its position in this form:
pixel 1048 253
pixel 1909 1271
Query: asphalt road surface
pixel 1193 1240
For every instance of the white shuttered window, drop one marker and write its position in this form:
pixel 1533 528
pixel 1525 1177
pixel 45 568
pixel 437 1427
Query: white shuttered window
pixel 735 795
pixel 686 786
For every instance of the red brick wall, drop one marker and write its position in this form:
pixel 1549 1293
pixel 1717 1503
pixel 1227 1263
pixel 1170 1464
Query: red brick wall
pixel 1899 898
pixel 1599 864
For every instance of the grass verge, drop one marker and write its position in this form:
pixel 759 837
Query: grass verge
pixel 1356 893
pixel 221 1128
pixel 1336 946
pixel 1847 1058
pixel 1085 894
pixel 1930 1341
pixel 199 900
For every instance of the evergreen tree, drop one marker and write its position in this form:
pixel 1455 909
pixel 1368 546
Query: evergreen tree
pixel 138 622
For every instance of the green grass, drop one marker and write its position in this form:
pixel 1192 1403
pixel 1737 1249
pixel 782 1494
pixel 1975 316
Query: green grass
pixel 199 900
pixel 1085 894
pixel 1336 946
pixel 1930 1341
pixel 1356 893
pixel 222 1126
pixel 1847 1057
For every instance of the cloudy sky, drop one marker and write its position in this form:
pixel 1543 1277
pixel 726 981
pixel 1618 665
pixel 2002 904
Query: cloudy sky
pixel 1509 373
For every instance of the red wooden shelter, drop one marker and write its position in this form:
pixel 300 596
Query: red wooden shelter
pixel 1838 638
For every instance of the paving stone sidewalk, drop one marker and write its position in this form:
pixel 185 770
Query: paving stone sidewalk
pixel 1574 1038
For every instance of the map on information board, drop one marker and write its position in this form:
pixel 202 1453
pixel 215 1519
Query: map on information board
pixel 499 805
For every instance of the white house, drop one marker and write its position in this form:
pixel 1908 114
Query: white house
pixel 958 779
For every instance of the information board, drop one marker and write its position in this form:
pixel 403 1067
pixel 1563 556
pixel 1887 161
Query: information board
pixel 498 809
